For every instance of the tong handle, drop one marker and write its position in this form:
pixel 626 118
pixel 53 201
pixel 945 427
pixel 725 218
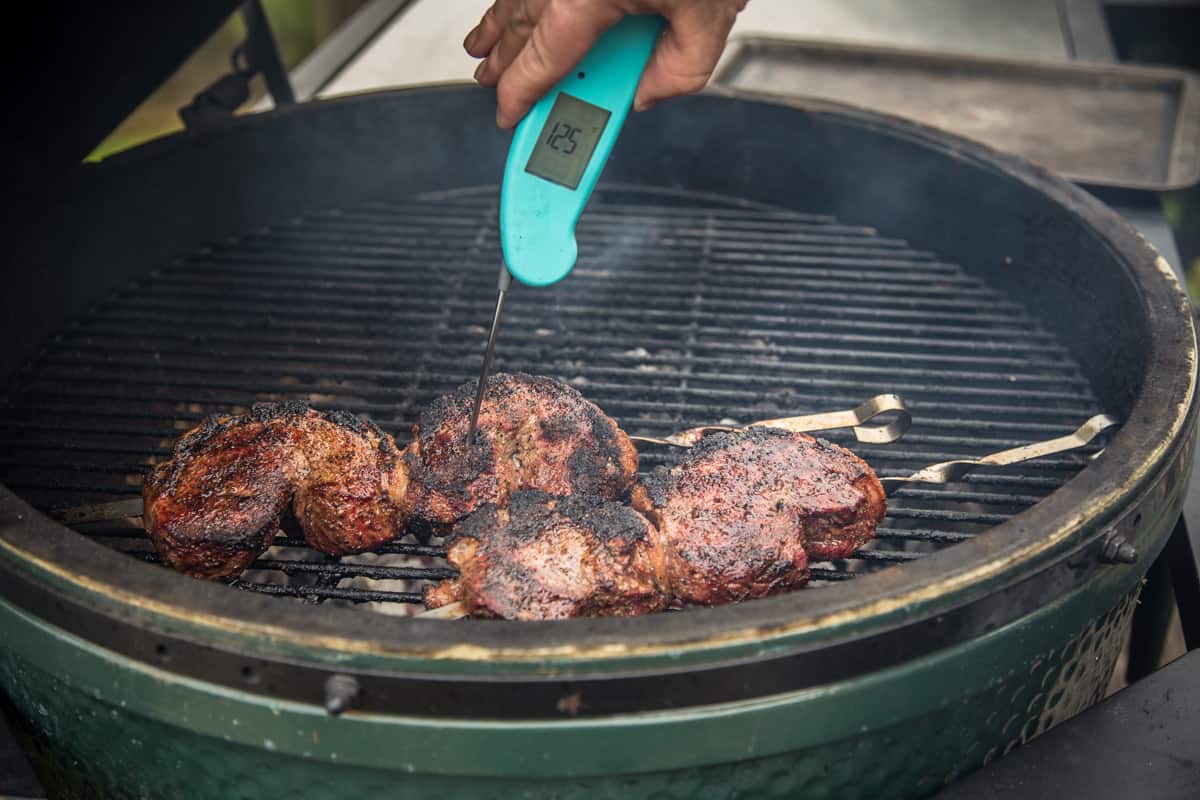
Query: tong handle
pixel 854 419
pixel 98 512
pixel 948 471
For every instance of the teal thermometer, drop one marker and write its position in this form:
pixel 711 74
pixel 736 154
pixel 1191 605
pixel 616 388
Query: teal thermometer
pixel 557 154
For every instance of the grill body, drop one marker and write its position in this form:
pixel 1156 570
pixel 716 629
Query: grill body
pixel 105 726
pixel 975 646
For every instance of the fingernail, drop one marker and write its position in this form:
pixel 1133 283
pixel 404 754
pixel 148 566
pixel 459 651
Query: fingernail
pixel 643 105
pixel 501 120
pixel 480 69
pixel 470 40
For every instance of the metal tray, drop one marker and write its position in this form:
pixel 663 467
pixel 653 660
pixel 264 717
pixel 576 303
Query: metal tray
pixel 1099 124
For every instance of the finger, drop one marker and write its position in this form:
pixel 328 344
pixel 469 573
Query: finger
pixel 517 29
pixel 687 53
pixel 483 37
pixel 557 43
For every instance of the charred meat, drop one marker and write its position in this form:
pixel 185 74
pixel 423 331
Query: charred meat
pixel 352 497
pixel 549 557
pixel 216 504
pixel 743 514
pixel 533 433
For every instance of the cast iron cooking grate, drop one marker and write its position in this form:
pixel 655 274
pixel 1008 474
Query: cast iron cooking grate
pixel 684 309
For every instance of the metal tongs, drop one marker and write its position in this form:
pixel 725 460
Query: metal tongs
pixel 99 512
pixel 950 471
pixel 854 418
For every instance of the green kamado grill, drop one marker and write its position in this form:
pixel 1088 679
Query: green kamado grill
pixel 742 258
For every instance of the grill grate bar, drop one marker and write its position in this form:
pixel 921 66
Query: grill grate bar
pixel 894 452
pixel 340 569
pixel 616 217
pixel 634 198
pixel 59 416
pixel 409 312
pixel 945 515
pixel 351 266
pixel 931 535
pixel 649 414
pixel 736 237
pixel 398 232
pixel 322 593
pixel 391 548
pixel 892 556
pixel 216 284
pixel 86 426
pixel 829 574
pixel 902 458
pixel 872 385
pixel 684 309
pixel 307 243
pixel 928 298
pixel 624 307
pixel 346 335
pixel 96 351
pixel 217 360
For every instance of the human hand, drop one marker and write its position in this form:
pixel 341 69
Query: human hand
pixel 527 46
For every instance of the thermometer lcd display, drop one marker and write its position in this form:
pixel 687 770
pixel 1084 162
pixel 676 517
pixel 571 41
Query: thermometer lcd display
pixel 567 141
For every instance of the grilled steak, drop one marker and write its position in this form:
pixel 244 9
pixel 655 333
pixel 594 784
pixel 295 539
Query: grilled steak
pixel 353 495
pixel 548 557
pixel 215 505
pixel 533 433
pixel 743 514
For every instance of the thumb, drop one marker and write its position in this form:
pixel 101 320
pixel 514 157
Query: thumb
pixel 560 38
pixel 687 52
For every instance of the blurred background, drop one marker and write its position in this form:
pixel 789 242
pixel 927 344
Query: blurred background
pixel 298 27
pixel 427 47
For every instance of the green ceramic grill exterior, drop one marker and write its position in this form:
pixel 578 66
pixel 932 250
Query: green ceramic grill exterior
pixel 106 726
pixel 109 716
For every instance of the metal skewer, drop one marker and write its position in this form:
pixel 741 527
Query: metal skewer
pixel 949 471
pixel 853 418
pixel 502 287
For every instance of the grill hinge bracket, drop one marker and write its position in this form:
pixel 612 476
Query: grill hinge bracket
pixel 258 54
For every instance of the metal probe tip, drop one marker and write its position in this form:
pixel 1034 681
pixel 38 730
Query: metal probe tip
pixel 504 283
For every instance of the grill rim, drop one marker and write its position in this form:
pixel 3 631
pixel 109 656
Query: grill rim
pixel 1164 412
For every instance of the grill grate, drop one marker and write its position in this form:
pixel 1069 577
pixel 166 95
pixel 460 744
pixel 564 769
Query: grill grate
pixel 684 309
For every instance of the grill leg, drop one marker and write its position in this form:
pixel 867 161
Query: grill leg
pixel 1172 583
pixel 1180 556
pixel 262 54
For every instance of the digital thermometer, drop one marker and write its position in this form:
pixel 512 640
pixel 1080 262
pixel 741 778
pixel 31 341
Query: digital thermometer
pixel 559 150
pixel 557 154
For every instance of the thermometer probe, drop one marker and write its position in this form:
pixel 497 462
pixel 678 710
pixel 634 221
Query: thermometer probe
pixel 557 154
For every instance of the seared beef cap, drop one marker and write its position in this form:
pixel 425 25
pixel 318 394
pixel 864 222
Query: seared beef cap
pixel 533 433
pixel 551 557
pixel 352 497
pixel 216 504
pixel 743 514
